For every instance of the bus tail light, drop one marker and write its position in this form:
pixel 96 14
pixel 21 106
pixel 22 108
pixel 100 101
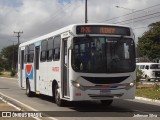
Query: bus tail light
pixel 78 85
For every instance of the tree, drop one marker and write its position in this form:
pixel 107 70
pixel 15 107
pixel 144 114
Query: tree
pixel 149 43
pixel 10 56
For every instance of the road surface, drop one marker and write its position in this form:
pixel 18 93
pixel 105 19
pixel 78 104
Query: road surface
pixel 81 110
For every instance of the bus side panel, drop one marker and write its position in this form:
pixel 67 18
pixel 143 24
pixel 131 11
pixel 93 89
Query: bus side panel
pixel 43 77
pixel 54 73
pixel 29 74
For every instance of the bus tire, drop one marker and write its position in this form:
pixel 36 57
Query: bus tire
pixel 106 102
pixel 58 100
pixel 29 93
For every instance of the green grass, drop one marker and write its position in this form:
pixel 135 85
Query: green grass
pixel 151 92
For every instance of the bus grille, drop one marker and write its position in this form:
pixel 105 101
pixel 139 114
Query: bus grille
pixel 105 80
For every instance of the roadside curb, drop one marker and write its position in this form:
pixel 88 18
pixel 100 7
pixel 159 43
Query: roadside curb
pixel 147 99
pixel 10 78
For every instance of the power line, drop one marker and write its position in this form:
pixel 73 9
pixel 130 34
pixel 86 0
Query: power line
pixel 144 19
pixel 128 13
pixel 59 11
pixel 136 18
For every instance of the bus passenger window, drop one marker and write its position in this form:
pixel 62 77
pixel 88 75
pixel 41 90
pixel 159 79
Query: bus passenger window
pixel 50 49
pixel 56 48
pixel 56 54
pixel 26 55
pixel 43 50
pixel 31 53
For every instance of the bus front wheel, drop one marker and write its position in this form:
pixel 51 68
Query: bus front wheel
pixel 58 100
pixel 106 102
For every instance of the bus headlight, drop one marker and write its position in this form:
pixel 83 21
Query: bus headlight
pixel 130 85
pixel 78 85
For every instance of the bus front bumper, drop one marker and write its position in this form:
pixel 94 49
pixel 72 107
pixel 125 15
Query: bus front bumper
pixel 103 92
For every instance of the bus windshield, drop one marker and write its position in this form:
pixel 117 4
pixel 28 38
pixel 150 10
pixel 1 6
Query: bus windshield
pixel 103 55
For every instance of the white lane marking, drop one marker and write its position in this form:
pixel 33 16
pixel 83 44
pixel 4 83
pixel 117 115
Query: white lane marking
pixel 52 118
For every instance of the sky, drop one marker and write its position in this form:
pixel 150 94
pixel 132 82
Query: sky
pixel 39 17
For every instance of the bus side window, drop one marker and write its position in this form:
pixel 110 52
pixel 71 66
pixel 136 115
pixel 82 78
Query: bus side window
pixel 30 53
pixel 56 48
pixel 50 49
pixel 43 50
pixel 26 55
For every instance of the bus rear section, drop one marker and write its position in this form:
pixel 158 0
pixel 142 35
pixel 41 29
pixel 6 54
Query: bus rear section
pixel 151 71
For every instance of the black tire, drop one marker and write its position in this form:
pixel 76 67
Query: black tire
pixel 29 93
pixel 106 102
pixel 57 98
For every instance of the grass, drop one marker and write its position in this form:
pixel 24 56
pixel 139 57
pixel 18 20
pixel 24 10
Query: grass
pixel 7 74
pixel 149 92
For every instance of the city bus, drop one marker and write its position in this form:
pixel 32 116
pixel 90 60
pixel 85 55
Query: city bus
pixel 80 62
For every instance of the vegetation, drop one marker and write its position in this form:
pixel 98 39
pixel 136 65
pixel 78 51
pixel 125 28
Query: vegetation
pixel 149 92
pixel 13 72
pixel 139 75
pixel 9 57
pixel 149 43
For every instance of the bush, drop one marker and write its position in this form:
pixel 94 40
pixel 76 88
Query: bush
pixel 1 71
pixel 13 72
pixel 139 75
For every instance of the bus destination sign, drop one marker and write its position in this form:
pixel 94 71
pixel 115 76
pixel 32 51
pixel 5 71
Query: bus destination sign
pixel 101 29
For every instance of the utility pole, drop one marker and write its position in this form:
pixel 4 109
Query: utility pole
pixel 86 12
pixel 18 36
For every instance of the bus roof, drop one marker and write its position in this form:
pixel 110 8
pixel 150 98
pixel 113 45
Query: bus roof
pixel 62 30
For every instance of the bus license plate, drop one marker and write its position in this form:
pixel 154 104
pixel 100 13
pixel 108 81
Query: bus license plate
pixel 104 92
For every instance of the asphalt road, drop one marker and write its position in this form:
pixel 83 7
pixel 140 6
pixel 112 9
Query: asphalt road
pixel 120 109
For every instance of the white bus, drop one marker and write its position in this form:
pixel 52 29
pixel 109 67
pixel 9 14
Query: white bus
pixel 80 62
pixel 151 71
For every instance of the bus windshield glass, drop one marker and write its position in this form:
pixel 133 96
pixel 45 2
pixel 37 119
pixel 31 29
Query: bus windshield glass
pixel 103 55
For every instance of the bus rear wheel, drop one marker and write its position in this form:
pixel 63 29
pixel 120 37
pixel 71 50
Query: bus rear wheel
pixel 58 100
pixel 106 102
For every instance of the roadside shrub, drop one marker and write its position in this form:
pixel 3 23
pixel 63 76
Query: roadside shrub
pixel 139 75
pixel 1 71
pixel 13 72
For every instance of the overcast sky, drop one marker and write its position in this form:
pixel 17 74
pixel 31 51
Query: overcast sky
pixel 38 17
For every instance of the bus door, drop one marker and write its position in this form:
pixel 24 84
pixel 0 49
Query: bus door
pixel 22 72
pixel 36 69
pixel 65 63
